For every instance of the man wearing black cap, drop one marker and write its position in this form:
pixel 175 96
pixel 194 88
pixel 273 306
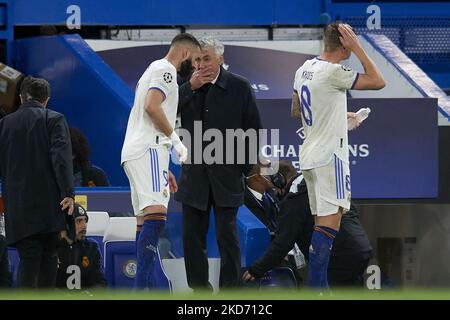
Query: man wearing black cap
pixel 78 253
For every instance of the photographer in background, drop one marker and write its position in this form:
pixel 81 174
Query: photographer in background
pixel 351 251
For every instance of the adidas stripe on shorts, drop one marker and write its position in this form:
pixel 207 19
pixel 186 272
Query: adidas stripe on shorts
pixel 329 187
pixel 149 178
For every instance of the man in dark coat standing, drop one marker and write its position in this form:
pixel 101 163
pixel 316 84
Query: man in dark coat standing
pixel 36 172
pixel 214 100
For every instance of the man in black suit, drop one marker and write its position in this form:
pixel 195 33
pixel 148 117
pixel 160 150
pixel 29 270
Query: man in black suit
pixel 351 249
pixel 36 171
pixel 214 99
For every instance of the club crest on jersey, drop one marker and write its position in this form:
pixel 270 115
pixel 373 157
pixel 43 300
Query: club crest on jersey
pixel 345 68
pixel 167 77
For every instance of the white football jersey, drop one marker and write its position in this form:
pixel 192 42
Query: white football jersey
pixel 141 132
pixel 322 89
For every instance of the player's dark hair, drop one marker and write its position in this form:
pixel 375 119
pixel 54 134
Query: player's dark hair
pixel 37 89
pixel 185 38
pixel 331 36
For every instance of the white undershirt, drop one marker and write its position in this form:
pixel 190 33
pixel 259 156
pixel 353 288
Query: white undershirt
pixel 255 193
pixel 215 79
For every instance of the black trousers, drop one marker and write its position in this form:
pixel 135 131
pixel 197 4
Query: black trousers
pixel 38 261
pixel 195 229
pixel 347 271
pixel 5 275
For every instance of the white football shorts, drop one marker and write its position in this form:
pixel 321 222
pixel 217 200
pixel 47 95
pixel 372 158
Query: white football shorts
pixel 149 178
pixel 329 187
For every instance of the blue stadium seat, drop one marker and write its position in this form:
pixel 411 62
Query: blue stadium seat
pixel 254 237
pixel 99 241
pixel 98 221
pixel 120 255
pixel 120 266
pixel 120 263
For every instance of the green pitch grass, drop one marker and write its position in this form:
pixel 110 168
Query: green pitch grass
pixel 245 294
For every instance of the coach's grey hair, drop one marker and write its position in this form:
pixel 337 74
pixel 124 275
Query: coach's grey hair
pixel 210 41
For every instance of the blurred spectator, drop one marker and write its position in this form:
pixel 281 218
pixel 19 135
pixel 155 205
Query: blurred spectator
pixel 37 184
pixel 5 275
pixel 75 249
pixel 85 174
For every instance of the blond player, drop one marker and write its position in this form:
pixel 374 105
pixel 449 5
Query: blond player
pixel 320 100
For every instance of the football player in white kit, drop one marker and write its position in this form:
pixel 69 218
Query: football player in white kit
pixel 320 100
pixel 147 145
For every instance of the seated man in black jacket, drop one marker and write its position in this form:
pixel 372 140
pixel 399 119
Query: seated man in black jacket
pixel 76 250
pixel 260 199
pixel 351 249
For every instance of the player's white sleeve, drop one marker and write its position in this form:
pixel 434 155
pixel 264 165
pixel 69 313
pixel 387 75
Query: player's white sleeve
pixel 162 79
pixel 343 77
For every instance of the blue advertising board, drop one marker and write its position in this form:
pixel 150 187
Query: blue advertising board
pixel 393 154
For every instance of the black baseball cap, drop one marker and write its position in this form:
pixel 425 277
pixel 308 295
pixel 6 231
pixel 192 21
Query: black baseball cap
pixel 79 211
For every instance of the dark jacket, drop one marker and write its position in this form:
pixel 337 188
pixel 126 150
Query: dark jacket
pixel 228 104
pixel 36 170
pixel 295 225
pixel 84 254
pixel 258 208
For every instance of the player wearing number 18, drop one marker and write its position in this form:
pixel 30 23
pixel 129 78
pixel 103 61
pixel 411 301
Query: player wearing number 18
pixel 320 100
